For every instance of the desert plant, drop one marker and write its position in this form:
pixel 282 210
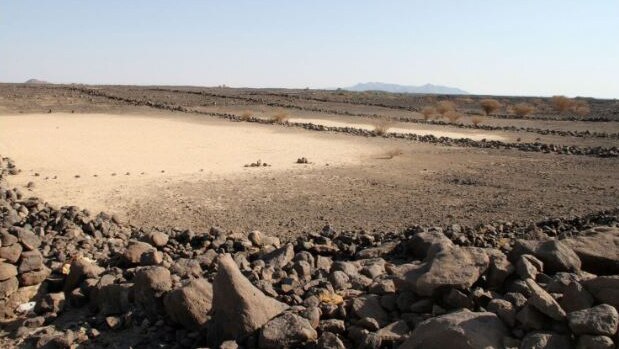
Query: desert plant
pixel 428 112
pixel 443 107
pixel 246 115
pixel 391 153
pixel 581 108
pixel 280 117
pixel 561 104
pixel 381 126
pixel 453 116
pixel 476 120
pixel 523 109
pixel 489 105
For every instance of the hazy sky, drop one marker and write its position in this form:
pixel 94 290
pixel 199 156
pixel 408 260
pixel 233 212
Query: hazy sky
pixel 532 47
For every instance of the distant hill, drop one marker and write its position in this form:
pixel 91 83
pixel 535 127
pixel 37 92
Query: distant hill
pixel 36 82
pixel 427 88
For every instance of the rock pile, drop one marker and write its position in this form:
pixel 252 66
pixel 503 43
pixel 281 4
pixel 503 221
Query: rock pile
pixel 69 279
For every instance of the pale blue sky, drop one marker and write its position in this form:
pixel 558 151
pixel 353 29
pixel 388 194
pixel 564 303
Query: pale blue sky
pixel 527 47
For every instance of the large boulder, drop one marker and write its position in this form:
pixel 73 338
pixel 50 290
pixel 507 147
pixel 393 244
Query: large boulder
pixel 150 283
pixel 7 271
pixel 458 267
pixel 286 331
pixel 80 270
pixel 598 249
pixel 556 255
pixel 280 257
pixel 604 288
pixel 134 251
pixel 190 305
pixel 424 244
pixel 459 330
pixel 368 306
pixel 544 302
pixel 599 320
pixel 239 308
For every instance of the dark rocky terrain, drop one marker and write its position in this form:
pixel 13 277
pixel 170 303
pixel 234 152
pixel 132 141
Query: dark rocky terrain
pixel 71 279
pixel 549 278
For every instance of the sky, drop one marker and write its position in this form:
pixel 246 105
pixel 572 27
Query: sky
pixel 525 47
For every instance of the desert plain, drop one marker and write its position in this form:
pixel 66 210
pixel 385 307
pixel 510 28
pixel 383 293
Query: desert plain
pixel 280 218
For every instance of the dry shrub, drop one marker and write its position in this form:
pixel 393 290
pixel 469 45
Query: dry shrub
pixel 490 105
pixel 581 108
pixel 523 109
pixel 443 107
pixel 428 112
pixel 391 153
pixel 453 116
pixel 381 126
pixel 246 115
pixel 476 120
pixel 280 117
pixel 561 103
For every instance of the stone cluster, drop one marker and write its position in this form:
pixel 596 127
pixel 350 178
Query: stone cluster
pixel 69 279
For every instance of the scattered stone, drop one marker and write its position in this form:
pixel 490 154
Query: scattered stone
pixel 190 304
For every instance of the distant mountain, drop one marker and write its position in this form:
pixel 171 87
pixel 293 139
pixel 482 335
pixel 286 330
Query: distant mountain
pixel 36 82
pixel 427 88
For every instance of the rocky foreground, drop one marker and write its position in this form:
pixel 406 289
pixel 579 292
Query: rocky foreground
pixel 70 279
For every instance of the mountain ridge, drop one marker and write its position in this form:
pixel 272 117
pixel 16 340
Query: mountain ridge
pixel 395 88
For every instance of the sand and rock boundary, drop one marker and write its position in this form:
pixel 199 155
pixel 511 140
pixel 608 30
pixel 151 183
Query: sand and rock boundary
pixel 602 152
pixel 69 278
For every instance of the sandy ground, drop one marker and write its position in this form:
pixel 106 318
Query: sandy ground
pixel 116 153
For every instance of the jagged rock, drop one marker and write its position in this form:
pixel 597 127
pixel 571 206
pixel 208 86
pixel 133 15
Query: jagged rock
pixel 239 308
pixel 28 239
pixel 8 286
pixel 368 306
pixel 332 325
pixel 540 340
pixel 133 254
pixel 395 332
pixel 500 268
pixel 531 318
pixel 112 299
pixel 422 244
pixel 544 302
pixel 598 249
pixel 605 289
pixel 158 239
pixel 504 309
pixel 34 277
pixel 458 267
pixel 279 257
pixel 555 254
pixel 329 340
pixel 378 251
pixel 7 271
pixel 190 304
pixel 528 266
pixel 594 342
pixel 463 329
pixel 599 320
pixel 575 297
pixel 11 253
pixel 50 303
pixel 286 331
pixel 150 283
pixel 80 270
pixel 187 268
pixel 30 260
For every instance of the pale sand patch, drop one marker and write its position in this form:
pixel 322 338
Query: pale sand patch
pixel 186 148
pixel 471 134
